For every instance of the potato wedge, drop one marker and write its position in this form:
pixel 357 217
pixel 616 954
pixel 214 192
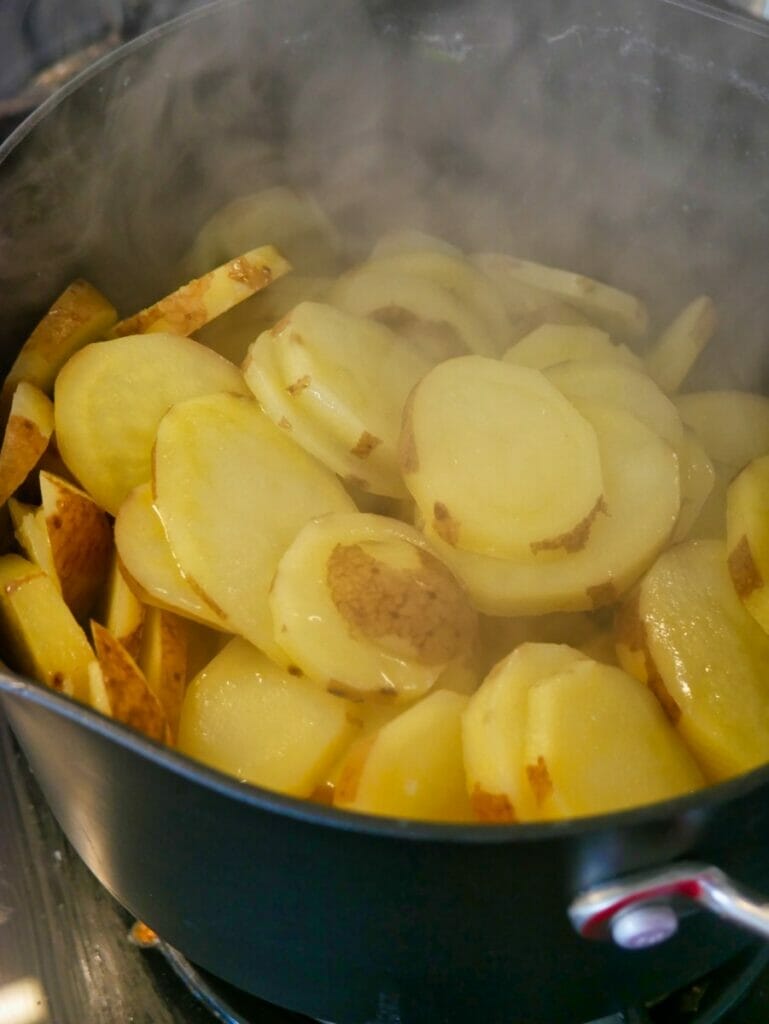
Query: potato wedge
pixel 163 661
pixel 131 701
pixel 199 301
pixel 122 613
pixel 363 607
pixel 249 718
pixel 32 536
pixel 733 426
pixel 687 635
pixel 486 481
pixel 553 343
pixel 747 537
pixel 412 766
pixel 597 741
pixel 640 471
pixel 150 566
pixel 229 520
pixel 79 316
pixel 677 349
pixel 39 632
pixel 111 397
pixel 494 732
pixel 26 437
pixel 81 542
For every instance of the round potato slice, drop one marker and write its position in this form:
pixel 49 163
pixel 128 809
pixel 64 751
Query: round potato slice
pixel 232 492
pixel 553 343
pixel 732 425
pixel 364 608
pixel 110 397
pixel 641 498
pixel 498 461
pixel 401 240
pixel 350 377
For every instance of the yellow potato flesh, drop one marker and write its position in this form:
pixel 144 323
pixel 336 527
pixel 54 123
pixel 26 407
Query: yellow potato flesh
pixel 163 660
pixel 640 471
pixel 747 537
pixel 412 766
pixel 350 377
pixel 733 426
pixel 498 461
pixel 122 613
pixel 230 517
pixel 401 240
pixel 363 608
pixel 32 536
pixel 494 731
pixel 707 660
pixel 143 549
pixel 110 397
pixel 698 478
pixel 678 347
pixel 247 717
pixel 26 437
pixel 550 344
pixel 596 741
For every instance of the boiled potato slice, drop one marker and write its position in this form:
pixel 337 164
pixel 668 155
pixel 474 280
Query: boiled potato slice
pixel 614 310
pixel 39 632
pixel 246 716
pixel 522 299
pixel 80 315
pixel 198 302
pixel 231 333
pixel 678 347
pixel 280 216
pixel 366 610
pixel 110 398
pixel 553 343
pixel 412 766
pixel 401 240
pixel 498 461
pixel 688 636
pixel 80 538
pixel 122 613
pixel 747 537
pixel 640 471
pixel 422 312
pixel 618 383
pixel 26 437
pixel 163 661
pixel 596 741
pixel 350 377
pixel 733 426
pixel 150 565
pixel 494 730
pixel 130 699
pixel 230 517
pixel 698 477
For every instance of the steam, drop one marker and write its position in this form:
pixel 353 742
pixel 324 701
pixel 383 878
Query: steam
pixel 627 141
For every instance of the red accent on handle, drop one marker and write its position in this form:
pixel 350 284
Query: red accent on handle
pixel 691 888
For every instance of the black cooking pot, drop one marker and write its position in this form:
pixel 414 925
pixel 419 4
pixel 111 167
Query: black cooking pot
pixel 630 141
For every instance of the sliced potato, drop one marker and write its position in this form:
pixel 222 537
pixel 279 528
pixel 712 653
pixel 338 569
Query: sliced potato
pixel 363 607
pixel 698 478
pixel 110 398
pixel 640 471
pixel 498 461
pixel 32 536
pixel 131 701
pixel 163 661
pixel 26 437
pixel 229 520
pixel 678 347
pixel 246 716
pixel 199 301
pixel 149 565
pixel 688 636
pixel 401 240
pixel 597 741
pixel 122 613
pixel 79 316
pixel 553 343
pixel 494 732
pixel 39 632
pixel 733 426
pixel 523 301
pixel 747 537
pixel 412 766
pixel 81 542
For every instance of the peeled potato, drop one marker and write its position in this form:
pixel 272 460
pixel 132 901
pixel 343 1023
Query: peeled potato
pixel 229 519
pixel 246 716
pixel 26 437
pixel 498 461
pixel 733 426
pixel 111 396
pixel 364 608
pixel 678 347
pixel 552 343
pixel 747 537
pixel 642 499
pixel 688 636
pixel 412 766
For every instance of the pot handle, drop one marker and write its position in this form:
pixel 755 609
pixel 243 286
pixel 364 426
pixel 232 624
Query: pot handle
pixel 643 910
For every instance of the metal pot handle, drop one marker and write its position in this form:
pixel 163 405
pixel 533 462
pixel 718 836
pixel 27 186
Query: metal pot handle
pixel 643 910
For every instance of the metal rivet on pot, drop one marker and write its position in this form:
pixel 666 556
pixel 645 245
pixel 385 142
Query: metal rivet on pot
pixel 641 927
